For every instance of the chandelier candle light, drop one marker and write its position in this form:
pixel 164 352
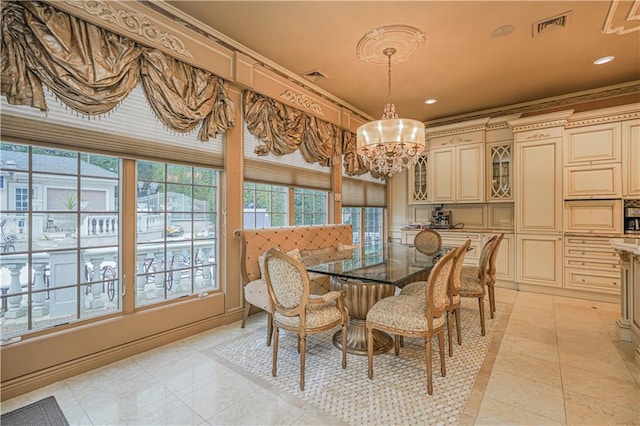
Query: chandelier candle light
pixel 391 144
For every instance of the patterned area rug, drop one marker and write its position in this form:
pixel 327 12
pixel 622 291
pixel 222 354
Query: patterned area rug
pixel 398 392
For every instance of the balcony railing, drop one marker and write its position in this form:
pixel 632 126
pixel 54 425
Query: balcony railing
pixel 55 286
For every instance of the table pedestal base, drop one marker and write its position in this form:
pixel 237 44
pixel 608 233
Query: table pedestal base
pixel 357 339
pixel 359 297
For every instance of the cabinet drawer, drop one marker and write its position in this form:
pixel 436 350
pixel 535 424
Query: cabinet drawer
pixel 457 239
pixel 604 243
pixel 586 252
pixel 592 281
pixel 593 264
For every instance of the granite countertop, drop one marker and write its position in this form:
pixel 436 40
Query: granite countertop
pixel 479 230
pixel 592 234
pixel 631 245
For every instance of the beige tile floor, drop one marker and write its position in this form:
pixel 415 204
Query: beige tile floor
pixel 554 360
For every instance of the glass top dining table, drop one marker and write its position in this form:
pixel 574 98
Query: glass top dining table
pixel 367 276
pixel 396 264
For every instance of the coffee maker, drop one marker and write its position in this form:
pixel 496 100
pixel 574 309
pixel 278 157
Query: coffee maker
pixel 632 217
pixel 440 218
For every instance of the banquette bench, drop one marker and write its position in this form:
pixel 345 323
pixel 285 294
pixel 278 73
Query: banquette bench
pixel 313 244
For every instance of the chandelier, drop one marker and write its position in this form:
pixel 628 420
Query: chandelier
pixel 391 144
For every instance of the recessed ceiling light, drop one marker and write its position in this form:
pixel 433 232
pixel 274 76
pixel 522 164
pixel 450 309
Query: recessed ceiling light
pixel 430 101
pixel 604 60
pixel 503 31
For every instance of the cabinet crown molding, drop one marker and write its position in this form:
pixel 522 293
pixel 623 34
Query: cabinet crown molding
pixel 502 122
pixel 605 115
pixel 457 128
pixel 543 121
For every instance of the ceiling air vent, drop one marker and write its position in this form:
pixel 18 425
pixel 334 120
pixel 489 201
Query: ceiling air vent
pixel 551 24
pixel 314 76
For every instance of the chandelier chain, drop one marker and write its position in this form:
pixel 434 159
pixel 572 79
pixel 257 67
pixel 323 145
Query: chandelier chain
pixel 389 87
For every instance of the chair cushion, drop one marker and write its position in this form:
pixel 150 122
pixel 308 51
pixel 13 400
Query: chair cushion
pixel 256 293
pixel 403 313
pixel 347 246
pixel 417 288
pixel 471 286
pixel 318 315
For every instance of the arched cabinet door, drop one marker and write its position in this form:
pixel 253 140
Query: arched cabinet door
pixel 419 180
pixel 500 167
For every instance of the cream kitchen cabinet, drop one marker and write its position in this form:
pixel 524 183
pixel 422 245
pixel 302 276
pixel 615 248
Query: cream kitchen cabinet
pixel 457 173
pixel 631 158
pixel 591 264
pixel 538 197
pixel 593 216
pixel 505 262
pixel 539 260
pixel 595 144
pixel 592 160
pixel 419 180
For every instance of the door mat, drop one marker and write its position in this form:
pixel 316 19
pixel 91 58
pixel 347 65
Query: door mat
pixel 45 412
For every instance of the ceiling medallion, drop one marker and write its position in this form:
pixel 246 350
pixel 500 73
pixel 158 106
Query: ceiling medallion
pixel 406 41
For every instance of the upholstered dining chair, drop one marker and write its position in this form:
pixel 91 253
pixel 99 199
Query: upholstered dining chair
pixel 452 307
pixel 474 280
pixel 492 275
pixel 414 316
pixel 428 242
pixel 295 310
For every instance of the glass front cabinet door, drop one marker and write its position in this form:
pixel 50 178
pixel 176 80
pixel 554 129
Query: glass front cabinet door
pixel 500 171
pixel 418 185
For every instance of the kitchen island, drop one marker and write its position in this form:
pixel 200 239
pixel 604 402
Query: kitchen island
pixel 628 326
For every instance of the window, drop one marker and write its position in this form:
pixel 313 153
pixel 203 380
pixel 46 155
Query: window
pixel 353 216
pixel 367 226
pixel 176 231
pixel 268 205
pixel 265 205
pixel 22 199
pixel 59 260
pixel 310 206
pixel 373 228
pixel 60 233
pixel 62 210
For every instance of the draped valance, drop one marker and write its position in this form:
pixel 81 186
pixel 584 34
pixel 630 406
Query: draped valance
pixel 284 129
pixel 92 70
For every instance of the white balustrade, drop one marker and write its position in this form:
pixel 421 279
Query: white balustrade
pixel 40 306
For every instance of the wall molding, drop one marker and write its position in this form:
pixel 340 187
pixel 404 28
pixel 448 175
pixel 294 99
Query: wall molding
pixel 133 22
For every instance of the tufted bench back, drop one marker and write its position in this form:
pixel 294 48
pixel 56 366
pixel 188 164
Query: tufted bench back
pixel 255 242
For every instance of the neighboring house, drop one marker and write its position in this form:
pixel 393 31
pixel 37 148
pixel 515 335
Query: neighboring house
pixel 54 184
